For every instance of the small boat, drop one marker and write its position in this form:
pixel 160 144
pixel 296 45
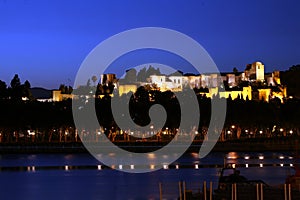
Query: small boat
pixel 245 189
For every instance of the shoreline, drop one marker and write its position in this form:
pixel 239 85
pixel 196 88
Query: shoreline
pixel 248 145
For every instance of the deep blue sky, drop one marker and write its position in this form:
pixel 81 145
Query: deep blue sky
pixel 45 41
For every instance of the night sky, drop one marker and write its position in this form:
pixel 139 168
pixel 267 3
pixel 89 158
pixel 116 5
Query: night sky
pixel 45 41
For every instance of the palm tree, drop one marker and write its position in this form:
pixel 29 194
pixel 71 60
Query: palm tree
pixel 94 79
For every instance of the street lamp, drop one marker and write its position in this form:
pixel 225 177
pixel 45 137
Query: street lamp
pixel 152 127
pixel 261 157
pixel 31 133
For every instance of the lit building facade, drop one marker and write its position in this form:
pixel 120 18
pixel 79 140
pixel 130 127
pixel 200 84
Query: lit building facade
pixel 252 84
pixel 58 96
pixel 259 86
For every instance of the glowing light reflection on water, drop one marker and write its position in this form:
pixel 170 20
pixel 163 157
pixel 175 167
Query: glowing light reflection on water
pixel 96 183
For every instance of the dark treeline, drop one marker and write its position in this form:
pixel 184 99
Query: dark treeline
pixel 16 90
pixel 20 112
pixel 21 116
pixel 34 114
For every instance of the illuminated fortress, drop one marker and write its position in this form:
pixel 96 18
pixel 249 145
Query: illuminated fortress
pixel 252 84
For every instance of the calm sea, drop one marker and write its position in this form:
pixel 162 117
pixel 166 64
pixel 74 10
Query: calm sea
pixel 76 176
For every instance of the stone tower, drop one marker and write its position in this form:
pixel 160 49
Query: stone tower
pixel 260 71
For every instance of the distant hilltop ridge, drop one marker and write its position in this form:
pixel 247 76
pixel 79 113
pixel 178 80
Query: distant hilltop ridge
pixel 41 93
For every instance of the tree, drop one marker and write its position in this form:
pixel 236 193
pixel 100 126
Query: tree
pixel 26 90
pixel 247 98
pixel 130 76
pixel 15 82
pixel 27 84
pixel 142 94
pixel 152 71
pixel 3 90
pixel 70 89
pixel 141 76
pixel 295 68
pixel 62 88
pixel 229 97
pixel 154 86
pixel 235 70
pixel 94 79
pixel 15 88
pixel 65 89
pixel 88 83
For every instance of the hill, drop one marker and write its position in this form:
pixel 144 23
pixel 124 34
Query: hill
pixel 41 93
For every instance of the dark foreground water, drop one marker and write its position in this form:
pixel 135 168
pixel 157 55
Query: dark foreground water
pixel 50 176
